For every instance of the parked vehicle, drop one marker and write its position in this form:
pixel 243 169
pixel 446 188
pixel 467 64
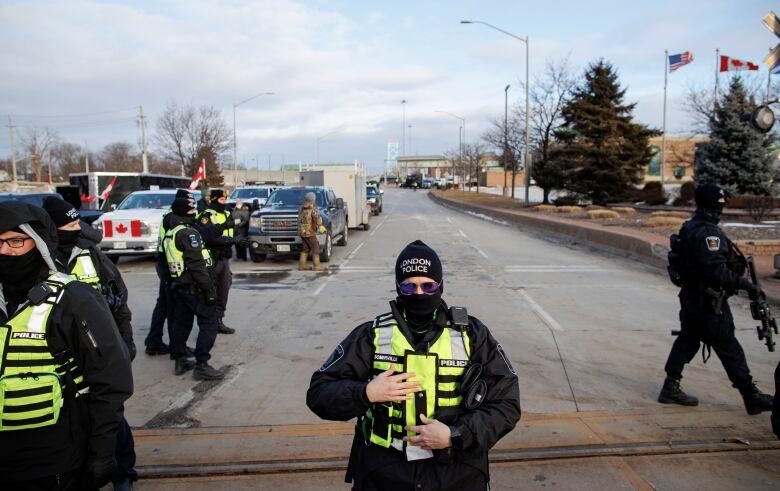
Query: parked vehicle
pixel 133 227
pixel 349 184
pixel 427 183
pixel 37 199
pixel 374 199
pixel 250 194
pixel 273 229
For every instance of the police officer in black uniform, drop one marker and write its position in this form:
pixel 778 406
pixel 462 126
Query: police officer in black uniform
pixel 431 389
pixel 714 271
pixel 70 447
pixel 79 256
pixel 194 293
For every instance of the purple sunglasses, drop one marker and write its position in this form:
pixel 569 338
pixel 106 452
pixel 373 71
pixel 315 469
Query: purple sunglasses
pixel 428 288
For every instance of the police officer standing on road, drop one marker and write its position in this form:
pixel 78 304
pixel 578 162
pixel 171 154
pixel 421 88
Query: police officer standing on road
pixel 79 257
pixel 432 389
pixel 64 370
pixel 712 270
pixel 216 227
pixel 309 224
pixel 194 294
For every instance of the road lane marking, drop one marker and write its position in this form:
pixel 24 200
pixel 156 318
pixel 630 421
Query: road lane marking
pixel 540 312
pixel 354 251
pixel 480 251
pixel 375 229
pixel 323 285
pixel 463 234
pixel 449 220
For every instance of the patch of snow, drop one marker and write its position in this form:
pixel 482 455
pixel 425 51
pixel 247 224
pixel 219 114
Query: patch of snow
pixel 748 225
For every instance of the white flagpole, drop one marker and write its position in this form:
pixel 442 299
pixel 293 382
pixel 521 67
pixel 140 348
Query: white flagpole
pixel 663 135
pixel 717 73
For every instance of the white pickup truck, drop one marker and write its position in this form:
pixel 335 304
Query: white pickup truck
pixel 133 227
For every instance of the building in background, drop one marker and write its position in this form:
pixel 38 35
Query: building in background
pixel 680 152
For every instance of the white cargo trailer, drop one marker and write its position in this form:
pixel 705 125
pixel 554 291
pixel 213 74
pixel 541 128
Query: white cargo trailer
pixel 349 184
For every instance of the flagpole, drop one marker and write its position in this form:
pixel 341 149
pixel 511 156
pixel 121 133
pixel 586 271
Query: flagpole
pixel 663 135
pixel 768 83
pixel 717 72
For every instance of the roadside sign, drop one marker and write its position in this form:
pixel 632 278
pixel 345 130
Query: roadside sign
pixel 772 22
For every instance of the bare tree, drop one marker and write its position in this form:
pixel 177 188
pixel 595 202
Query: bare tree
pixel 473 154
pixel 36 143
pixel 67 158
pixel 120 157
pixel 187 135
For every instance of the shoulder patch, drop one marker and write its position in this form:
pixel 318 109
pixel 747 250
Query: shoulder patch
pixel 194 241
pixel 334 357
pixel 713 242
pixel 500 350
pixel 204 219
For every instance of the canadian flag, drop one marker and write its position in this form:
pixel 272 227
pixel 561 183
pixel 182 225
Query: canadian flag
pixel 107 191
pixel 732 64
pixel 200 175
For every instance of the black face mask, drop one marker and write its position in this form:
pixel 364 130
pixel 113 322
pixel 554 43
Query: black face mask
pixel 21 272
pixel 714 211
pixel 67 239
pixel 419 306
pixel 216 205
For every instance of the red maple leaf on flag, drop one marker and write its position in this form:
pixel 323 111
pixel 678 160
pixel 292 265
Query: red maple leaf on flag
pixel 121 228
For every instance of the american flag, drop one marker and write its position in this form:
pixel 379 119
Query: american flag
pixel 680 59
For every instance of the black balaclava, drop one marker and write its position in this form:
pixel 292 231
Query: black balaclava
pixel 62 213
pixel 181 207
pixel 182 193
pixel 707 198
pixel 214 204
pixel 417 259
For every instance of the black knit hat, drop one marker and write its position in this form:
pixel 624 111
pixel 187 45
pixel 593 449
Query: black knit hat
pixel 183 193
pixel 708 194
pixel 216 194
pixel 182 207
pixel 60 211
pixel 417 259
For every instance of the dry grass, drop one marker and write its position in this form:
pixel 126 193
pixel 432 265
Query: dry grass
pixel 624 210
pixel 545 208
pixel 602 214
pixel 664 221
pixel 595 207
pixel 672 214
pixel 568 209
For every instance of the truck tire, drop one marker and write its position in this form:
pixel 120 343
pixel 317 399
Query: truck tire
pixel 366 226
pixel 257 258
pixel 344 237
pixel 327 249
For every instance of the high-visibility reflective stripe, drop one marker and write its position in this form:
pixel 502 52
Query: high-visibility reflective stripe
pixel 33 422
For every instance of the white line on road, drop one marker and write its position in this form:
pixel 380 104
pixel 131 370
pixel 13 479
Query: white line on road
pixel 480 251
pixel 375 229
pixel 323 285
pixel 354 251
pixel 449 219
pixel 463 234
pixel 540 312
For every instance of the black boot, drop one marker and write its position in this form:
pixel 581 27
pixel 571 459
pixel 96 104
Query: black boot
pixel 183 365
pixel 672 394
pixel 157 349
pixel 204 371
pixel 756 402
pixel 223 329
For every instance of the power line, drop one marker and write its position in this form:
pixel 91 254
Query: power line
pixel 54 116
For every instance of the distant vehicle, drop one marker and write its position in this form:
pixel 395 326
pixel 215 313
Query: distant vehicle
pixel 133 227
pixel 250 194
pixel 439 183
pixel 349 184
pixel 411 180
pixel 93 183
pixel 427 183
pixel 374 182
pixel 374 198
pixel 37 199
pixel 273 229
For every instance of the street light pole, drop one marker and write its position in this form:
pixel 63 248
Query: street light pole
pixel 461 139
pixel 411 147
pixel 506 130
pixel 403 130
pixel 235 145
pixel 526 159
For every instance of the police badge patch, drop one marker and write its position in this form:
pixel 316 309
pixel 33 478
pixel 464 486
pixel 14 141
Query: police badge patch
pixel 337 354
pixel 194 242
pixel 713 243
pixel 204 220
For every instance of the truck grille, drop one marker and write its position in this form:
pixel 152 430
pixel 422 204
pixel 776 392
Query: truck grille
pixel 279 223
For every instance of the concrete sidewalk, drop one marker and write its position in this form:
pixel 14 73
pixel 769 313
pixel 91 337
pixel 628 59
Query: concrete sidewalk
pixel 647 247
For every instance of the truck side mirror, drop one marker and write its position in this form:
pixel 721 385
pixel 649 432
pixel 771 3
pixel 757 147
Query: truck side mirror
pixel 339 204
pixel 255 204
pixel 112 207
pixel 381 191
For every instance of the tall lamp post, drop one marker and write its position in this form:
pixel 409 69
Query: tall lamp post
pixel 526 160
pixel 235 146
pixel 411 147
pixel 403 130
pixel 506 130
pixel 461 139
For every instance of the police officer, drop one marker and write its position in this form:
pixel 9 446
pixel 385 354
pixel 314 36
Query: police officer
pixel 714 271
pixel 64 371
pixel 79 257
pixel 216 227
pixel 432 389
pixel 194 293
pixel 163 308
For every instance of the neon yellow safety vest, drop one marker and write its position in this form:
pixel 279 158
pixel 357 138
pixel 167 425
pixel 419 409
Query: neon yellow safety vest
pixel 31 380
pixel 161 234
pixel 175 257
pixel 218 218
pixel 84 269
pixel 439 372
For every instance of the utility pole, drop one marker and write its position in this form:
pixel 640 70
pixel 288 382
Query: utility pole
pixel 13 150
pixel 142 122
pixel 506 143
pixel 86 157
pixel 403 130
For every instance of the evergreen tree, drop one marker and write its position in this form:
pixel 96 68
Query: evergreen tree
pixel 737 156
pixel 601 151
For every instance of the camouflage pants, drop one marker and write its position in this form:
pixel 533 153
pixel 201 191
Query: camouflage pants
pixel 310 245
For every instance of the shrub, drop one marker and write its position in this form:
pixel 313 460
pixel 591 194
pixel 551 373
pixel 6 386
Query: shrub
pixel 664 221
pixel 759 207
pixel 624 210
pixel 568 209
pixel 653 194
pixel 602 214
pixel 673 214
pixel 686 194
pixel 568 200
pixel 544 208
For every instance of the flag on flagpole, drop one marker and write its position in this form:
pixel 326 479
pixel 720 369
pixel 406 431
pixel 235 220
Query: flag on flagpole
pixel 107 191
pixel 679 60
pixel 728 64
pixel 200 175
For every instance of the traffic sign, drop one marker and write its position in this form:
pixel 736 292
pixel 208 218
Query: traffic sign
pixel 772 22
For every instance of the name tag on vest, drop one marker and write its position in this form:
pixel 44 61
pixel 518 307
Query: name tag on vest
pixel 389 358
pixel 29 335
pixel 454 363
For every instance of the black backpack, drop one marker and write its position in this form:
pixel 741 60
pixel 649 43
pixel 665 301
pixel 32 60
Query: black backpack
pixel 678 264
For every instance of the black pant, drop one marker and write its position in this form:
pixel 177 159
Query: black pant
pixel 66 481
pixel 223 279
pixel 701 325
pixel 189 305
pixel 125 452
pixel 424 476
pixel 241 252
pixel 163 308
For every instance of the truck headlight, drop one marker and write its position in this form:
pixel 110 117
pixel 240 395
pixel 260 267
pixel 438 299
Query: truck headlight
pixel 254 222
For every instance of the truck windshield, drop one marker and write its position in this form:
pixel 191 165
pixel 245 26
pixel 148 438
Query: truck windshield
pixel 292 197
pixel 249 193
pixel 371 191
pixel 147 200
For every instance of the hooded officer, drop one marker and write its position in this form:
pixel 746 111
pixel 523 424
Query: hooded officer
pixel 194 294
pixel 431 426
pixel 65 372
pixel 715 271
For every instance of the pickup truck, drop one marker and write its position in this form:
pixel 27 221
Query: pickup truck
pixel 273 229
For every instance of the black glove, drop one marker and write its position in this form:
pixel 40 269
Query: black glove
pixel 241 241
pixel 131 348
pixel 754 291
pixel 210 296
pixel 100 471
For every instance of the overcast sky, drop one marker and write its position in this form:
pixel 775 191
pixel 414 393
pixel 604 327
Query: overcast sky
pixel 341 68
